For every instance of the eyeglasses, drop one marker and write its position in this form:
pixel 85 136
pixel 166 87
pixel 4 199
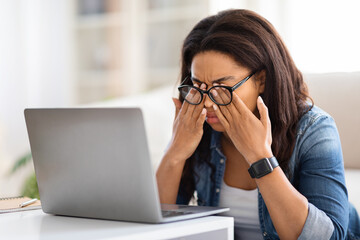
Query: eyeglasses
pixel 220 95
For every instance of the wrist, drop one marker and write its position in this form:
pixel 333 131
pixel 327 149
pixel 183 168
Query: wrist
pixel 256 157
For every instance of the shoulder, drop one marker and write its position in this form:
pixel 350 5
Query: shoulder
pixel 318 137
pixel 314 119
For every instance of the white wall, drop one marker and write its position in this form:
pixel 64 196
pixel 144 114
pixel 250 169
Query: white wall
pixel 322 35
pixel 35 50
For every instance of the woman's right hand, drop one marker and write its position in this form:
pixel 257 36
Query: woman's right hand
pixel 187 127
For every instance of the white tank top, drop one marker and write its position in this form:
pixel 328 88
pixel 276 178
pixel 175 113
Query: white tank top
pixel 243 206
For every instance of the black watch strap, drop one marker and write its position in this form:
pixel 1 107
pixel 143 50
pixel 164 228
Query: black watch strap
pixel 263 167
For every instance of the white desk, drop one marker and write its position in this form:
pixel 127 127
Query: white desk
pixel 37 225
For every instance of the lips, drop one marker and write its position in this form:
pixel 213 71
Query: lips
pixel 212 118
pixel 211 115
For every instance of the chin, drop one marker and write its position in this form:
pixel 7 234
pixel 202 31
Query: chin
pixel 217 127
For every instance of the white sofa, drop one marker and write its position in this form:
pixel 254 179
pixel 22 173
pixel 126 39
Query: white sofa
pixel 339 95
pixel 336 93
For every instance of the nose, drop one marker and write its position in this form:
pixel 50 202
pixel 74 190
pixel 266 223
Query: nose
pixel 208 102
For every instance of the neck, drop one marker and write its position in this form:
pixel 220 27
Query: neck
pixel 226 139
pixel 230 151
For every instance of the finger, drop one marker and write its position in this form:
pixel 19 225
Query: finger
pixel 220 94
pixel 214 93
pixel 264 113
pixel 221 117
pixel 200 121
pixel 177 104
pixel 225 112
pixel 189 97
pixel 224 109
pixel 240 105
pixel 221 97
pixel 195 97
pixel 198 108
pixel 226 96
pixel 184 106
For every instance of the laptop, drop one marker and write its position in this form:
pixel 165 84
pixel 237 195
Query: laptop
pixel 95 163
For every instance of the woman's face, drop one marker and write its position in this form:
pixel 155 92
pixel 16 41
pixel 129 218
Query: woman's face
pixel 209 66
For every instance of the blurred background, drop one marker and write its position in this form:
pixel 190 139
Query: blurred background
pixel 73 52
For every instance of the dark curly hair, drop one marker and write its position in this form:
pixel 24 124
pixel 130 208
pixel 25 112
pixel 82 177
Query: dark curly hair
pixel 253 43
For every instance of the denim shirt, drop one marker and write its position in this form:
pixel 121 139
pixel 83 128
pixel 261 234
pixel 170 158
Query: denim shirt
pixel 317 171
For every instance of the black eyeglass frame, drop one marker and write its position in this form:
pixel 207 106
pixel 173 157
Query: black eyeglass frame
pixel 202 92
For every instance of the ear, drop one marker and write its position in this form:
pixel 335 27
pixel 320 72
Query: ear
pixel 260 81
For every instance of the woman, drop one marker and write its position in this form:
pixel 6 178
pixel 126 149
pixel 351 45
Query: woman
pixel 246 137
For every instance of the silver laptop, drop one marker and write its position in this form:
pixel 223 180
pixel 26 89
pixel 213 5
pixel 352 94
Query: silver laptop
pixel 95 163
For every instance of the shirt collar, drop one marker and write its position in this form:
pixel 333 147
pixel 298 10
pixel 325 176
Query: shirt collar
pixel 215 139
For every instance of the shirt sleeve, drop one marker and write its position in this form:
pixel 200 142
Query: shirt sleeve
pixel 322 181
pixel 317 218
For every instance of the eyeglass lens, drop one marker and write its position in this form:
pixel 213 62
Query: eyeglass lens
pixel 191 95
pixel 220 95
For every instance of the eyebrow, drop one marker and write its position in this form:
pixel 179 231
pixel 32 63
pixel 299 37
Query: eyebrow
pixel 223 79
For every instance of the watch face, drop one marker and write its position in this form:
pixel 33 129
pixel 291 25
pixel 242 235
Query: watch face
pixel 262 167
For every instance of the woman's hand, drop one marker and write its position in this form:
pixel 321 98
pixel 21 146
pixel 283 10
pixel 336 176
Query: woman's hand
pixel 187 127
pixel 251 136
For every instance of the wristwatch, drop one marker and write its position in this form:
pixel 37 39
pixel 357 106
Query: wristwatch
pixel 263 167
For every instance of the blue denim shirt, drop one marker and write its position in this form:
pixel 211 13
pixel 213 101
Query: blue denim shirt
pixel 317 173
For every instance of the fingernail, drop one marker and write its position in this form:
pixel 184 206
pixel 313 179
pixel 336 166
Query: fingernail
pixel 214 107
pixel 203 111
pixel 196 85
pixel 261 100
pixel 215 84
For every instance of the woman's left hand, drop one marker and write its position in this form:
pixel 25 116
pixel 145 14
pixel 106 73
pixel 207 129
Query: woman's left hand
pixel 251 136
